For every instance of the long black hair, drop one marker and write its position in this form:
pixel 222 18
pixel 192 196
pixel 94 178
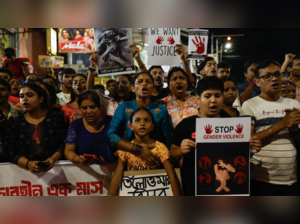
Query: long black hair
pixel 131 94
pixel 41 92
pixel 73 96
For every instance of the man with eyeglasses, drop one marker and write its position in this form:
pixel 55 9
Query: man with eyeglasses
pixel 158 75
pixel 275 121
pixel 248 88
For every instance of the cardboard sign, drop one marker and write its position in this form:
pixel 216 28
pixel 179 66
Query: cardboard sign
pixel 147 183
pixel 65 179
pixel 223 156
pixel 161 46
pixel 115 56
pixel 198 40
pixel 51 61
pixel 76 40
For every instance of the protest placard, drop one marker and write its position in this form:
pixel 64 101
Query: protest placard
pixel 113 47
pixel 147 183
pixel 161 46
pixel 46 61
pixel 76 40
pixel 64 179
pixel 222 156
pixel 198 40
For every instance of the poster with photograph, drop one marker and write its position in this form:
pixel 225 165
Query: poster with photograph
pixel 161 46
pixel 46 61
pixel 115 56
pixel 76 40
pixel 198 40
pixel 223 156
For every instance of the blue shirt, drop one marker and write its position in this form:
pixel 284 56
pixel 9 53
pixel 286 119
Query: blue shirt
pixel 242 86
pixel 119 128
pixel 90 143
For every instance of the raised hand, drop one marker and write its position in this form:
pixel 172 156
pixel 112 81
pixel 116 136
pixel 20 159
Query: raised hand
pixel 289 58
pixel 159 40
pixel 171 40
pixel 180 50
pixel 135 51
pixel 239 129
pixel 208 129
pixel 199 44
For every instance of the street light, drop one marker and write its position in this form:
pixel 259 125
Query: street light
pixel 228 45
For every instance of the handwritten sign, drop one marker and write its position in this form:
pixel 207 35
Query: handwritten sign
pixel 65 179
pixel 113 46
pixel 198 40
pixel 146 183
pixel 161 46
pixel 223 156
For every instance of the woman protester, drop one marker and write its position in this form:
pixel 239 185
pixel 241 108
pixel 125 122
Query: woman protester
pixel 87 135
pixel 52 98
pixel 180 105
pixel 36 136
pixel 229 97
pixel 71 110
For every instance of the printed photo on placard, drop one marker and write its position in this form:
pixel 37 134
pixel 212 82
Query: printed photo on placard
pixel 76 40
pixel 223 156
pixel 161 46
pixel 46 61
pixel 198 40
pixel 115 56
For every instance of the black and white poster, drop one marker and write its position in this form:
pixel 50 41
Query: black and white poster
pixel 223 156
pixel 198 40
pixel 112 45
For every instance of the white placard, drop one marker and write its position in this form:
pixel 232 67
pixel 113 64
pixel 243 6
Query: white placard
pixel 230 130
pixel 67 179
pixel 198 40
pixel 161 46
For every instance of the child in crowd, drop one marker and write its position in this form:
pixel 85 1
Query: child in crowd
pixel 229 97
pixel 142 124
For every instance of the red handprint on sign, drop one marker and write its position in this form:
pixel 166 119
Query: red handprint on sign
pixel 208 129
pixel 171 40
pixel 239 128
pixel 159 40
pixel 199 44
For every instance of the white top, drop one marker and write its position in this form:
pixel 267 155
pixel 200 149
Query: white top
pixel 276 162
pixel 63 98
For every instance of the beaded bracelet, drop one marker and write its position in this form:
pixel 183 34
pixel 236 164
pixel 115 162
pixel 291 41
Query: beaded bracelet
pixel 137 150
pixel 27 164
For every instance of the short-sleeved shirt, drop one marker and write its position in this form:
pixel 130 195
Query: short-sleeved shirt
pixel 276 162
pixel 119 127
pixel 70 113
pixel 90 143
pixel 242 86
pixel 185 130
pixel 177 112
pixel 161 152
pixel 63 98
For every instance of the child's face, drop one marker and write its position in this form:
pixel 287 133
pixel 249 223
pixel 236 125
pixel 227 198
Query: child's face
pixel 142 123
pixel 229 95
pixel 210 103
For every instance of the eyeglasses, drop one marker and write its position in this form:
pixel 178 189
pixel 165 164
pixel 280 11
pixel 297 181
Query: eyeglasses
pixel 269 77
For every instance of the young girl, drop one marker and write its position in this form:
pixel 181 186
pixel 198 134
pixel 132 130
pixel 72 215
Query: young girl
pixel 229 96
pixel 141 123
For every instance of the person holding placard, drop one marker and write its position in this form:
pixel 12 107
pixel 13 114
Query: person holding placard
pixel 210 91
pixel 275 121
pixel 142 124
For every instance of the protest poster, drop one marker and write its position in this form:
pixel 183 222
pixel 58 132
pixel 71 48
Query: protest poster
pixel 198 40
pixel 76 40
pixel 64 179
pixel 113 47
pixel 46 61
pixel 161 46
pixel 214 56
pixel 223 156
pixel 147 183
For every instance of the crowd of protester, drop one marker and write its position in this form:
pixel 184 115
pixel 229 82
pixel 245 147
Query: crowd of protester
pixel 142 125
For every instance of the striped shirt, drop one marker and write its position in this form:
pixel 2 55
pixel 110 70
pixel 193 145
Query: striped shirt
pixel 276 162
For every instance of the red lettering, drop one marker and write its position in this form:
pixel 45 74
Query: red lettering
pixel 98 187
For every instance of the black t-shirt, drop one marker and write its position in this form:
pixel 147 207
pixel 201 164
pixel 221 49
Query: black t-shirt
pixel 164 93
pixel 186 129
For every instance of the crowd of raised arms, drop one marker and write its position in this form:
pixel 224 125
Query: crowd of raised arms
pixel 141 125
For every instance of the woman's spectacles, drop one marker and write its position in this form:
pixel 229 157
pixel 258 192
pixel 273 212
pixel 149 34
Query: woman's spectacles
pixel 269 77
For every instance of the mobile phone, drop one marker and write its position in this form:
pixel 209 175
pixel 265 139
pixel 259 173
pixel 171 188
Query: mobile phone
pixel 43 164
pixel 90 156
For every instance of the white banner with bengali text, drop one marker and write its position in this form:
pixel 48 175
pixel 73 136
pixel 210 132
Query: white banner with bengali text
pixel 65 179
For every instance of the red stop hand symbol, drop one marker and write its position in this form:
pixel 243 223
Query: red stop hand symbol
pixel 159 40
pixel 171 40
pixel 208 129
pixel 239 129
pixel 199 44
